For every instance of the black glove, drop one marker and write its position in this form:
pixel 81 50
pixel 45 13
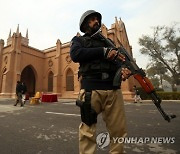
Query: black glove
pixel 107 51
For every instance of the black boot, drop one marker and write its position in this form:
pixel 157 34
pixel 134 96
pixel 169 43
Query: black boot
pixel 16 103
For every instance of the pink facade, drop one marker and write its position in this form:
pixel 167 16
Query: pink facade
pixel 49 70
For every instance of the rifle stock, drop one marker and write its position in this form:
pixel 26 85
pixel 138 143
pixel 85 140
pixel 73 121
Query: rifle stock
pixel 138 74
pixel 145 83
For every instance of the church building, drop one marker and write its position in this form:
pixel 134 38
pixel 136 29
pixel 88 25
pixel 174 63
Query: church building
pixel 50 70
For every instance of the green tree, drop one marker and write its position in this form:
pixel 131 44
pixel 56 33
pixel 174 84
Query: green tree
pixel 163 49
pixel 156 74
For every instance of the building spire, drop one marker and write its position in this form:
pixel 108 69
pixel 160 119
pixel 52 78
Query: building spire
pixel 17 31
pixel 27 33
pixel 9 34
pixel 121 22
pixel 116 22
pixel 116 19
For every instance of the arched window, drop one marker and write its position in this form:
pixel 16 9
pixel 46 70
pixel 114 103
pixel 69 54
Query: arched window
pixel 50 81
pixel 69 80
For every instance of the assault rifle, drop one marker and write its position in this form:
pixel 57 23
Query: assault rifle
pixel 138 74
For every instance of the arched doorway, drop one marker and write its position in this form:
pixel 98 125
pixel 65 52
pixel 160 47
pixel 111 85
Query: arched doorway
pixel 50 81
pixel 69 80
pixel 28 77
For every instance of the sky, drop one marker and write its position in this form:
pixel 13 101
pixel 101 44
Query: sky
pixel 49 20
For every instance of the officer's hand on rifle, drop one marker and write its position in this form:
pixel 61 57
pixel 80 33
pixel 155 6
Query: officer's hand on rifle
pixel 113 54
pixel 126 73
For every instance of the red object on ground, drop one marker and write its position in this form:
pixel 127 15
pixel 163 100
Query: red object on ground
pixel 26 96
pixel 49 98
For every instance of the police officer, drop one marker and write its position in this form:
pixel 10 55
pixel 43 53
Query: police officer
pixel 19 94
pixel 98 95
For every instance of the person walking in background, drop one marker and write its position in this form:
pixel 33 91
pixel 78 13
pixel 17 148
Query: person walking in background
pixel 19 94
pixel 137 97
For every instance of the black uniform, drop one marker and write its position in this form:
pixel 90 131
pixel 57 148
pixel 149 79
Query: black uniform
pixel 96 71
pixel 19 89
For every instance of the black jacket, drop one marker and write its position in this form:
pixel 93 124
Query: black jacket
pixel 89 53
pixel 18 88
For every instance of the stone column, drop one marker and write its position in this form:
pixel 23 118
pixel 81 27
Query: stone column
pixel 1 61
pixel 57 67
